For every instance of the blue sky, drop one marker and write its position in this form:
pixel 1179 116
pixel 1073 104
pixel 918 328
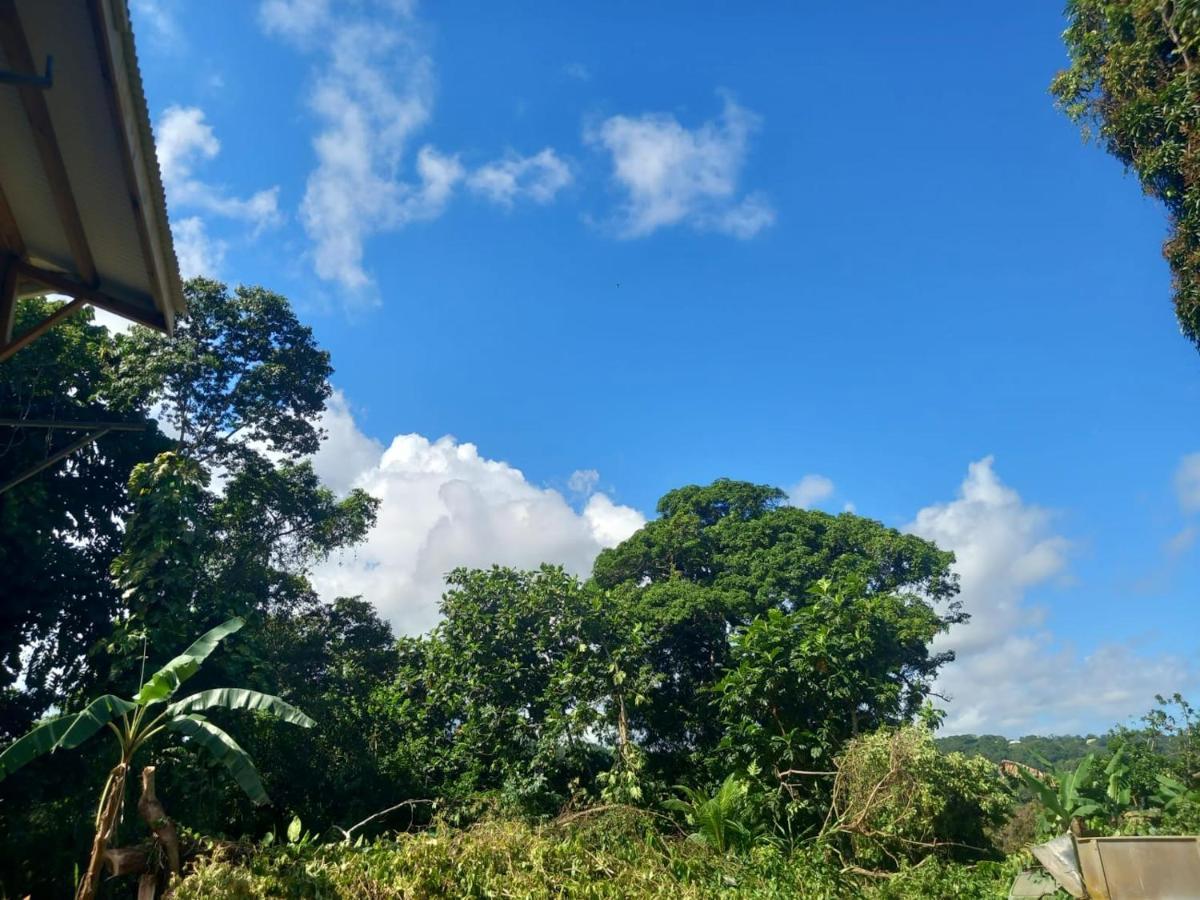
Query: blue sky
pixel 613 249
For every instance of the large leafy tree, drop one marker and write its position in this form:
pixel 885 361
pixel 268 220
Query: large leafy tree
pixel 231 522
pixel 500 694
pixel 241 374
pixel 221 517
pixel 802 683
pixel 60 530
pixel 1134 81
pixel 726 557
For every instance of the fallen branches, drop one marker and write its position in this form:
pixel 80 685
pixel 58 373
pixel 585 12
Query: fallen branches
pixel 347 833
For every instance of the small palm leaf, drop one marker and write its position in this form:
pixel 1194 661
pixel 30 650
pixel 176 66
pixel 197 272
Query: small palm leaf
pixel 240 698
pixel 163 683
pixel 226 751
pixel 41 739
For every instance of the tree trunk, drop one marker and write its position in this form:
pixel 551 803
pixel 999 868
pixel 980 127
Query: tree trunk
pixel 153 814
pixel 125 861
pixel 110 808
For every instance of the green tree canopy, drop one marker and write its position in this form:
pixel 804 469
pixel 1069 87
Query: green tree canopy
pixel 728 556
pixel 60 530
pixel 1134 81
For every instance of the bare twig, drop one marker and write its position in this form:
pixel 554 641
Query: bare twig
pixel 348 832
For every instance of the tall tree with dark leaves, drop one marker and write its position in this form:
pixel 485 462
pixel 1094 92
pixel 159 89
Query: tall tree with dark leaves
pixel 60 530
pixel 728 559
pixel 1134 83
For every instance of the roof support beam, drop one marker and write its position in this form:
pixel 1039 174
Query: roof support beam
pixel 16 49
pixel 8 297
pixel 19 343
pixel 66 285
pixel 10 233
pixel 53 458
pixel 68 425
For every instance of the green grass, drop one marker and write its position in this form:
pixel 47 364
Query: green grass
pixel 614 855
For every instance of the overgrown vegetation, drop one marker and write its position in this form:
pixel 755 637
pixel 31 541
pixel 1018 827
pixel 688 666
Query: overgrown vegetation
pixel 736 702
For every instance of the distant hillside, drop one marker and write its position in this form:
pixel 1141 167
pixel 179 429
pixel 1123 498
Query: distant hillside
pixel 1057 749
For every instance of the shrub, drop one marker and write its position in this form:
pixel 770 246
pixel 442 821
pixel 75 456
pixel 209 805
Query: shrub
pixel 897 800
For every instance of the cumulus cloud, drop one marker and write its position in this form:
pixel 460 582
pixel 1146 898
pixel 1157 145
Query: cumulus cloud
pixel 538 178
pixel 372 93
pixel 673 175
pixel 443 505
pixel 810 490
pixel 1012 675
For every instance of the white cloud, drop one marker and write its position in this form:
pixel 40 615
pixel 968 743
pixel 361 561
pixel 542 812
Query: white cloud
pixel 294 20
pixel 159 19
pixel 346 453
pixel 675 175
pixel 583 481
pixel 1187 483
pixel 445 505
pixel 1012 675
pixel 372 92
pixel 1182 540
pixel 578 71
pixel 184 141
pixel 539 178
pixel 810 490
pixel 197 251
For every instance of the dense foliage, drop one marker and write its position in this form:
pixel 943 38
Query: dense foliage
pixel 1134 80
pixel 735 702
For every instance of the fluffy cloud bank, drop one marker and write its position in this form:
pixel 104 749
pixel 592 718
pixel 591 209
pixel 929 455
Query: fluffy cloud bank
pixel 445 505
pixel 673 175
pixel 1012 675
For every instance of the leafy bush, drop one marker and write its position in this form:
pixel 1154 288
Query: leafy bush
pixel 897 800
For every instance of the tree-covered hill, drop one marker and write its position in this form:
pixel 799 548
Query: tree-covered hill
pixel 1032 749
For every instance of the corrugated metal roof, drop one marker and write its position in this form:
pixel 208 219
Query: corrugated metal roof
pixel 105 201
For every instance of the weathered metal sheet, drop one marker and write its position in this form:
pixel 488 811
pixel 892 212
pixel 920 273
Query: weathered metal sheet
pixel 1140 868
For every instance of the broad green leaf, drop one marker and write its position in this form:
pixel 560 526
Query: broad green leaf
pixel 163 683
pixel 240 698
pixel 40 740
pixel 95 716
pixel 295 829
pixel 226 751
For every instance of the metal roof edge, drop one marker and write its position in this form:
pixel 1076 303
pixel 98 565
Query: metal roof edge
pixel 154 208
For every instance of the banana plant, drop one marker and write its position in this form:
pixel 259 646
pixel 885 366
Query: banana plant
pixel 150 712
pixel 1064 805
pixel 1173 793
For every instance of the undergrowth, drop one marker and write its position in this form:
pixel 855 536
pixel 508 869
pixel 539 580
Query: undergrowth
pixel 617 854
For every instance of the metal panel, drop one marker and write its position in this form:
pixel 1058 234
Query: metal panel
pixel 1140 868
